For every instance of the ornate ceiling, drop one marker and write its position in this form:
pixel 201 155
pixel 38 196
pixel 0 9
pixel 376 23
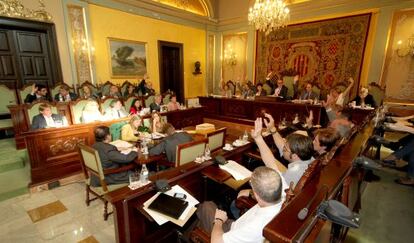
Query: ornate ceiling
pixel 194 6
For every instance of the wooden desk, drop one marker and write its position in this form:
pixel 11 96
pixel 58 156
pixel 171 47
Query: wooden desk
pixel 245 111
pixel 132 226
pixel 339 177
pixel 53 155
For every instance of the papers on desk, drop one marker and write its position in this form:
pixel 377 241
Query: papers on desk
pixel 162 219
pixel 123 146
pixel 238 171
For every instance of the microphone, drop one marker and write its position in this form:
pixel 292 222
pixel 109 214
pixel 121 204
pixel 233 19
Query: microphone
pixel 303 213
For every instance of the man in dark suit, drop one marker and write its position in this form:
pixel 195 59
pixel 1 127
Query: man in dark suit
pixel 169 144
pixel 39 92
pixel 308 94
pixel 46 119
pixel 65 95
pixel 111 158
pixel 156 105
pixel 281 90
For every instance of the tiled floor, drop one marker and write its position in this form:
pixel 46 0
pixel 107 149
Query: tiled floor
pixel 59 215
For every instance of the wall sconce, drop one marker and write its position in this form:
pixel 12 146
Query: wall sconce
pixel 406 49
pixel 230 57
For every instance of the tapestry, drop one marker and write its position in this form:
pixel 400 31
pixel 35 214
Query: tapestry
pixel 325 52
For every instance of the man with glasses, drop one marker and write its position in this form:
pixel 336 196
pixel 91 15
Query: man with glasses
pixel 297 149
pixel 266 186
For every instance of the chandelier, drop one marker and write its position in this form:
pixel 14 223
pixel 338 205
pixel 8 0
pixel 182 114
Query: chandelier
pixel 268 15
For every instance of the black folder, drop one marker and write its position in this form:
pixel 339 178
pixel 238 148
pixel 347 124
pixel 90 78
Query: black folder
pixel 168 205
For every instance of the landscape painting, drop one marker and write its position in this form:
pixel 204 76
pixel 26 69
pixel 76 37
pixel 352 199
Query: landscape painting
pixel 128 58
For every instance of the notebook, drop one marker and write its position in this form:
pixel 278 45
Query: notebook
pixel 168 205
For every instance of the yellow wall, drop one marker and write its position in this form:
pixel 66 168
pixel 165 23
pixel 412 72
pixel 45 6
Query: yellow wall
pixel 107 22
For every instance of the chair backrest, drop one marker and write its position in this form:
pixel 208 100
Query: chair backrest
pixel 166 98
pixel 149 100
pixel 93 88
pixel 76 108
pixel 105 103
pixel 33 109
pixel 91 163
pixel 193 102
pixel 216 139
pixel 55 90
pixel 267 88
pixel 128 102
pixel 188 152
pixel 288 82
pixel 115 130
pixel 27 89
pixel 377 93
pixel 232 87
pixel 8 97
pixel 317 91
pixel 105 88
pixel 124 86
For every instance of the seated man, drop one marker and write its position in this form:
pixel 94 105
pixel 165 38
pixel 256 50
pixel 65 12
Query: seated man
pixel 111 158
pixel 298 150
pixel 173 105
pixel 308 94
pixel 281 90
pixel 267 189
pixel 114 92
pixel 115 110
pixel 169 144
pixel 65 95
pixel 325 139
pixel 364 98
pixel 39 92
pixel 156 105
pixel 46 119
pixel 342 123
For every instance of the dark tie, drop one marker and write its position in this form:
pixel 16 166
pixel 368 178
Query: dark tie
pixel 119 114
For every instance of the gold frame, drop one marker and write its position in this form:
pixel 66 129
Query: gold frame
pixel 110 58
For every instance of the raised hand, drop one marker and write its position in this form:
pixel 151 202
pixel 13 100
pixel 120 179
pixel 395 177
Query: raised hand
pixel 258 126
pixel 309 119
pixel 220 214
pixel 271 123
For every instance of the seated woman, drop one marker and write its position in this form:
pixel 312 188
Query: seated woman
pixel 364 98
pixel 156 122
pixel 173 105
pixel 88 94
pixel 129 91
pixel 226 91
pixel 131 132
pixel 259 90
pixel 91 113
pixel 115 110
pixel 136 107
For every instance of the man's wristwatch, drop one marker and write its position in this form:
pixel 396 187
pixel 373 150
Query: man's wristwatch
pixel 273 130
pixel 218 219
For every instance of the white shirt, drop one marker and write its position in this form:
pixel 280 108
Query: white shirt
pixel 249 227
pixel 277 91
pixel 49 121
pixel 295 170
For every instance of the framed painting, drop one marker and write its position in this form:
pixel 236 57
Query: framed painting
pixel 127 58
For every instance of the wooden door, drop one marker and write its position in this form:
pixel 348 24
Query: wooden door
pixel 8 68
pixel 171 68
pixel 28 53
pixel 33 57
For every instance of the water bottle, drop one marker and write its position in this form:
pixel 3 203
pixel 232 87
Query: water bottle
pixel 207 151
pixel 143 177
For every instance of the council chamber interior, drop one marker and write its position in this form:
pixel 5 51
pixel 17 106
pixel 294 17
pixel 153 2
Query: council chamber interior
pixel 206 121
